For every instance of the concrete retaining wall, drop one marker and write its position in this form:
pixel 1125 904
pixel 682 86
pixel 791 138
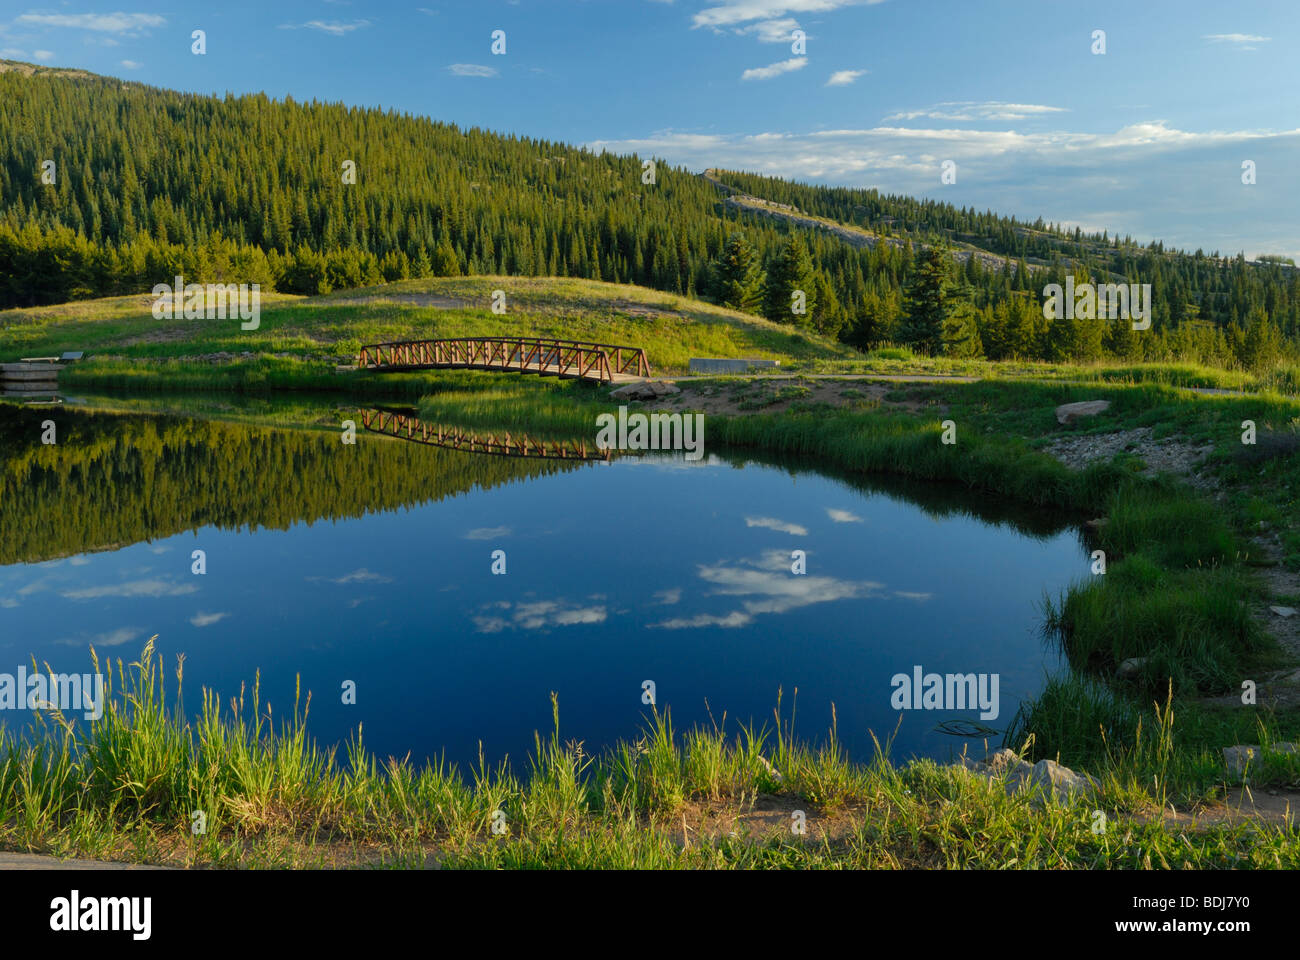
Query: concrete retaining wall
pixel 729 365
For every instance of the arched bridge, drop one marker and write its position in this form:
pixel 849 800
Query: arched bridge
pixel 407 427
pixel 601 362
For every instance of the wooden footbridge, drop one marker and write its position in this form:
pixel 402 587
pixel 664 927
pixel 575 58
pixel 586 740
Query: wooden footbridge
pixel 407 427
pixel 574 359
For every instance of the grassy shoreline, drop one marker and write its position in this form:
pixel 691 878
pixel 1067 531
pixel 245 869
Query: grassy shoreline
pixel 1177 593
pixel 127 785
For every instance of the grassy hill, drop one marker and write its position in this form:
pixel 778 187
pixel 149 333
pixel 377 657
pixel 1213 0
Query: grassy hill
pixel 303 338
pixel 324 196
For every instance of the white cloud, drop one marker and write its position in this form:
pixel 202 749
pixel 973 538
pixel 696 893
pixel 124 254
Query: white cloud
pixel 736 618
pixel 131 64
pixel 977 110
pixel 536 615
pixel 133 588
pixel 336 28
pixel 487 533
pixel 124 24
pixel 775 69
pixel 471 70
pixel 731 12
pixel 114 638
pixel 772 31
pixel 12 53
pixel 842 516
pixel 771 523
pixel 767 587
pixel 202 619
pixel 842 78
pixel 847 156
pixel 43 54
pixel 357 576
pixel 1242 41
pixel 669 597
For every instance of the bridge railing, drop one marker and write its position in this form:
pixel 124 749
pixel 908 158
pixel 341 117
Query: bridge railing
pixel 407 427
pixel 569 358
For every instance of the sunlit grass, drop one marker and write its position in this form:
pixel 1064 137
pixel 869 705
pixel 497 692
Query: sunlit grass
pixel 236 786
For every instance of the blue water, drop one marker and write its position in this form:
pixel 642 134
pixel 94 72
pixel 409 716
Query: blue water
pixel 643 569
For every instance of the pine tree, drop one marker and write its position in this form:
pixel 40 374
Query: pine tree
pixel 737 278
pixel 926 302
pixel 790 273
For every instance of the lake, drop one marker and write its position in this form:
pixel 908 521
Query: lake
pixel 367 571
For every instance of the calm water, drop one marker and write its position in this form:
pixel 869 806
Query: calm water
pixel 373 564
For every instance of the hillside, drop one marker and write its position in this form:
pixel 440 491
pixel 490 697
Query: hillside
pixel 316 197
pixel 311 335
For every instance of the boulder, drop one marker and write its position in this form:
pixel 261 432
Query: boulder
pixel 1284 611
pixel 770 770
pixel 1236 758
pixel 1131 666
pixel 645 390
pixel 1067 413
pixel 1016 775
pixel 1060 782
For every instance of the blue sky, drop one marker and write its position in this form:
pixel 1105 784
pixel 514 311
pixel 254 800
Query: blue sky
pixel 1146 139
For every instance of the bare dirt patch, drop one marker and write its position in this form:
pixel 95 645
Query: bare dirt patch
pixel 1169 455
pixel 776 395
pixel 1263 805
pixel 767 816
pixel 410 299
pixel 645 311
pixel 170 334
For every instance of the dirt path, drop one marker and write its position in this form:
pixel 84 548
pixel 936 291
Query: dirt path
pixel 39 861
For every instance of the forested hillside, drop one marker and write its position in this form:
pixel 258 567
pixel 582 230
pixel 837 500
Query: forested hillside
pixel 147 183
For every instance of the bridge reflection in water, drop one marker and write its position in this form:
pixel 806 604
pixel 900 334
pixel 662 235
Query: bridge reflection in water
pixel 408 427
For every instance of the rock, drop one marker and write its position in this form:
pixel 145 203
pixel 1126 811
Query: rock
pixel 1060 782
pixel 629 391
pixel 662 389
pixel 1284 611
pixel 770 770
pixel 1097 524
pixel 1236 758
pixel 1016 775
pixel 1131 666
pixel 649 390
pixel 1067 413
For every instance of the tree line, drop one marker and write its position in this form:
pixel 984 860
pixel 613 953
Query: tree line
pixel 107 188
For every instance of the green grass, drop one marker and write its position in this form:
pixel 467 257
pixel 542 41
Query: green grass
pixel 1175 593
pixel 122 338
pixel 129 785
pixel 128 349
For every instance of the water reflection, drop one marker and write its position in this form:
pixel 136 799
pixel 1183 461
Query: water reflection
pixel 407 426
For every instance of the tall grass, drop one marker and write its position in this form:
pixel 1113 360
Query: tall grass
pixel 133 784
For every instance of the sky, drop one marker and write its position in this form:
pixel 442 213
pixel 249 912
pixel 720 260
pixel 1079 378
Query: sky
pixel 1146 139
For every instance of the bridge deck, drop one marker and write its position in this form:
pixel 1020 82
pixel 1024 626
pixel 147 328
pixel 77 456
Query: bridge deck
pixel 574 359
pixel 503 444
